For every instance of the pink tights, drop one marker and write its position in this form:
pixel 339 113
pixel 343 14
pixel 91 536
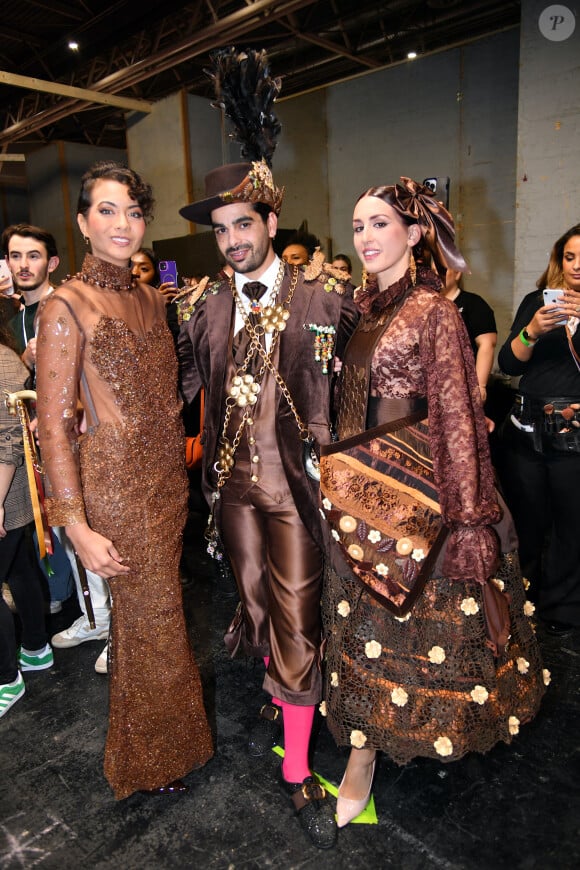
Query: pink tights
pixel 297 729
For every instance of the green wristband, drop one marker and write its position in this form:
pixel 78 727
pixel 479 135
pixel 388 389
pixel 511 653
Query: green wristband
pixel 525 340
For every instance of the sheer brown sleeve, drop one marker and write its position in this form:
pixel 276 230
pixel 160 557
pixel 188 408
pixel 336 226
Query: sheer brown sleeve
pixel 460 447
pixel 58 363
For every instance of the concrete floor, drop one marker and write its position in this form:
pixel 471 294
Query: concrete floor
pixel 517 807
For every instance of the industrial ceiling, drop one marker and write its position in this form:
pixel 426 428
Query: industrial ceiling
pixel 131 53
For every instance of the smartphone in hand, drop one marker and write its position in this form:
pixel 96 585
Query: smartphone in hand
pixel 6 273
pixel 168 271
pixel 552 297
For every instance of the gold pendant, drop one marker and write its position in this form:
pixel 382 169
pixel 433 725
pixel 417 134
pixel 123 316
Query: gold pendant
pixel 244 390
pixel 274 318
pixel 225 460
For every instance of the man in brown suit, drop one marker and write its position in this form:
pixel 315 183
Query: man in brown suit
pixel 264 355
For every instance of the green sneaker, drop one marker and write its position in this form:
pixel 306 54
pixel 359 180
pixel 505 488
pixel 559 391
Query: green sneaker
pixel 40 662
pixel 9 694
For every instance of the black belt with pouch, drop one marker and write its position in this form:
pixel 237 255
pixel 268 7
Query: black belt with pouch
pixel 554 422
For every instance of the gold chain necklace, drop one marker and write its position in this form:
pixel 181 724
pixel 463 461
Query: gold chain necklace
pixel 245 389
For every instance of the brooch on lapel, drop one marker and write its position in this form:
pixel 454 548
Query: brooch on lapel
pixel 323 343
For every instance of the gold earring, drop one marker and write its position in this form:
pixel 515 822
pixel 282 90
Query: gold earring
pixel 87 240
pixel 413 269
pixel 365 276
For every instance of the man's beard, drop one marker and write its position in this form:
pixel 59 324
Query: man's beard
pixel 21 288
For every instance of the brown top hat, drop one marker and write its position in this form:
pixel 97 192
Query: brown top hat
pixel 235 182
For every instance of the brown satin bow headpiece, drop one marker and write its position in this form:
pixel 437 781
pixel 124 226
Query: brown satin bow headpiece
pixel 416 201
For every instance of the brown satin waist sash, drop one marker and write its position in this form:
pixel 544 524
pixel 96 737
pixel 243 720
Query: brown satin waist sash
pixel 385 410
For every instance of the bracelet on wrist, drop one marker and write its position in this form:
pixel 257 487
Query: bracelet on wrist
pixel 526 339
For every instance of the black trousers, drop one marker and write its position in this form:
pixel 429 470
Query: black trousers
pixel 542 491
pixel 19 566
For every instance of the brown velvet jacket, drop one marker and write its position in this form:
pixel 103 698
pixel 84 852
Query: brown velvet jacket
pixel 203 348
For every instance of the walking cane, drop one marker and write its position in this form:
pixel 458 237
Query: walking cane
pixel 16 404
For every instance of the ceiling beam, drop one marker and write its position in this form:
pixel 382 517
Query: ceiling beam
pixel 333 48
pixel 60 90
pixel 230 27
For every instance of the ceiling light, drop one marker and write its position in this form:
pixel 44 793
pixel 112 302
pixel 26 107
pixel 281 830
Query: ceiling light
pixel 73 45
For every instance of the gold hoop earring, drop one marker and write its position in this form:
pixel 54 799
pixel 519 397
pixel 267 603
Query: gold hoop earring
pixel 413 269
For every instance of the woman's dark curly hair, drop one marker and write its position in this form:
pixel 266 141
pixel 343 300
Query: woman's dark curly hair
pixel 108 169
pixel 7 312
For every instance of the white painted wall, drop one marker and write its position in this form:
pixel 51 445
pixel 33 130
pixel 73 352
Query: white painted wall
pixel 548 156
pixel 452 114
pixel 155 149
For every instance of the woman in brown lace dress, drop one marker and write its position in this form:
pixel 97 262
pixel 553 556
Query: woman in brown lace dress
pixel 459 671
pixel 120 489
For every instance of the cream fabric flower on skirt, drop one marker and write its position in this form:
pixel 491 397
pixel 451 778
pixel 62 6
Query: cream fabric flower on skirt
pixel 373 649
pixel 443 746
pixel 469 606
pixel 436 655
pixel 343 608
pixel 399 696
pixel 479 694
pixel 357 739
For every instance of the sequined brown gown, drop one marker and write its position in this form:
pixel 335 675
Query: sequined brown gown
pixel 126 477
pixel 430 684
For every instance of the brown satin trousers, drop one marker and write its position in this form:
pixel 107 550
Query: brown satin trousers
pixel 278 570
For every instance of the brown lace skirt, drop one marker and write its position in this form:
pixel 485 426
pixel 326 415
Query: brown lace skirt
pixel 428 684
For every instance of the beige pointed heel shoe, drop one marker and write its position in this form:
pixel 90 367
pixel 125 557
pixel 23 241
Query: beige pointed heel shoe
pixel 348 809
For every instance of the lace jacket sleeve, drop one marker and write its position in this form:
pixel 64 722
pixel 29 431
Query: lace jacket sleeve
pixel 59 350
pixel 460 447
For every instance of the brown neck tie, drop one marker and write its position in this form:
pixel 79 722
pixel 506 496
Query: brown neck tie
pixel 254 290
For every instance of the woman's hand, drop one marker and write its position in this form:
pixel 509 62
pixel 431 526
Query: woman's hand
pixel 548 317
pixel 168 290
pixel 571 303
pixel 96 552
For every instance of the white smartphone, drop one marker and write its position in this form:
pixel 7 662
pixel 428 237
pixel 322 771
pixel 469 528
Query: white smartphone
pixel 6 273
pixel 552 297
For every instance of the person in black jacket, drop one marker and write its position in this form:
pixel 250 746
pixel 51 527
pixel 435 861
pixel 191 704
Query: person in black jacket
pixel 539 463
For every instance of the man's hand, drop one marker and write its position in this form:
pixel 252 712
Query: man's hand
pixel 29 355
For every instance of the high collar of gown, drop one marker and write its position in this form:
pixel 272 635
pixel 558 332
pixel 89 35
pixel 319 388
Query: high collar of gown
pixel 374 301
pixel 106 275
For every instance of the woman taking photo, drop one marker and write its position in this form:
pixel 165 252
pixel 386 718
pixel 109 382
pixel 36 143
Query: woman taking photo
pixel 120 488
pixel 539 459
pixel 455 670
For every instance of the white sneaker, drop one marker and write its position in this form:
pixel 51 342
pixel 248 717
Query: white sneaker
pixel 10 693
pixel 79 632
pixel 101 662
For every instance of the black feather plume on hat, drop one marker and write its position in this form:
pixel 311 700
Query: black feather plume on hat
pixel 246 92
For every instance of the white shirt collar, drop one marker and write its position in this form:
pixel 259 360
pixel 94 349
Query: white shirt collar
pixel 268 277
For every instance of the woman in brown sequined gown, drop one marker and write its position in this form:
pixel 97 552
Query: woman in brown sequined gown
pixel 121 488
pixel 435 682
